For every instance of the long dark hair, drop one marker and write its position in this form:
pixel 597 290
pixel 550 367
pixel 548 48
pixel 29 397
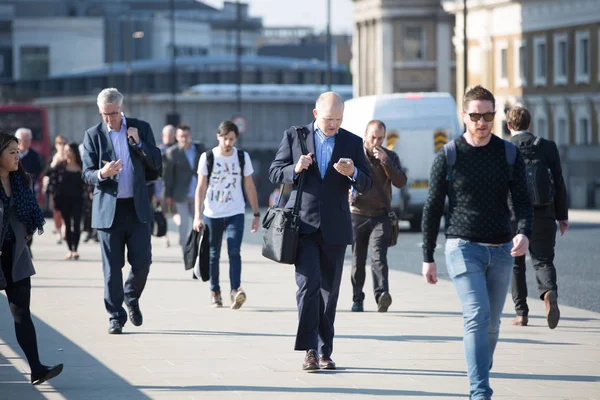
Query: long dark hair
pixel 74 147
pixel 5 140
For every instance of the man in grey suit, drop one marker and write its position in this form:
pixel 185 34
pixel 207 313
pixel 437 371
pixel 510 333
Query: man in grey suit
pixel 180 179
pixel 121 209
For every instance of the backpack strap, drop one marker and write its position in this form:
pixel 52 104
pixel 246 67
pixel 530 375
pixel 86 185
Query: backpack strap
pixel 511 156
pixel 210 160
pixel 537 141
pixel 242 163
pixel 450 150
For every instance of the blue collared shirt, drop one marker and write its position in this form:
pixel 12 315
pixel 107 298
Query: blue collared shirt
pixel 324 149
pixel 190 154
pixel 121 146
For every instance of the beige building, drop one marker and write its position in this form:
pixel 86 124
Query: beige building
pixel 402 46
pixel 542 54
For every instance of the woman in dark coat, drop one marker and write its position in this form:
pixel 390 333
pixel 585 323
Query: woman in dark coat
pixel 21 217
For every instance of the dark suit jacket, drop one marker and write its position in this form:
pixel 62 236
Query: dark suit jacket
pixel 324 201
pixel 98 147
pixel 178 173
pixel 549 149
pixel 32 163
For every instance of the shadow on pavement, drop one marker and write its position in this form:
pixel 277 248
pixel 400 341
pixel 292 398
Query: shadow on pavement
pixel 84 377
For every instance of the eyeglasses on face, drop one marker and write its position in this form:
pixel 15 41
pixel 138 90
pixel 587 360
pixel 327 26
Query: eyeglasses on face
pixel 487 117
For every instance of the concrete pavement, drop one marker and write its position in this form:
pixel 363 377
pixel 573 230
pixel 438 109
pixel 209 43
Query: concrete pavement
pixel 188 350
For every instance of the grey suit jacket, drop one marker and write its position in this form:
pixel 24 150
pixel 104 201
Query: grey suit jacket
pixel 22 267
pixel 178 173
pixel 98 147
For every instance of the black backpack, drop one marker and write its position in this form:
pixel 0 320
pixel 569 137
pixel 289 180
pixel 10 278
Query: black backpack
pixel 539 178
pixel 210 161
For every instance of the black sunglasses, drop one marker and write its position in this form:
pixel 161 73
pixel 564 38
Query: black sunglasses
pixel 487 117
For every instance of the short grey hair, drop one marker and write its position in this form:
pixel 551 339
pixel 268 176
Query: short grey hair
pixel 110 96
pixel 337 99
pixel 23 132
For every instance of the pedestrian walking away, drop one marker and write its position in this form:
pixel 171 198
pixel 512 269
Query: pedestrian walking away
pixel 224 175
pixel 478 172
pixel 371 220
pixel 119 153
pixel 335 162
pixel 548 193
pixel 21 218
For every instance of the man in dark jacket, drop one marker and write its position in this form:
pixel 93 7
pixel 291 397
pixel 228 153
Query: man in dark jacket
pixel 370 222
pixel 543 236
pixel 31 160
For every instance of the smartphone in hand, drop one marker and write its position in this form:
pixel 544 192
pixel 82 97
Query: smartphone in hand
pixel 344 161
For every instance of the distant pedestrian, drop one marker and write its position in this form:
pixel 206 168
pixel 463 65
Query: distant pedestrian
pixel 168 140
pixel 21 218
pixel 68 191
pixel 224 175
pixel 274 197
pixel 57 157
pixel 478 172
pixel 549 196
pixel 371 223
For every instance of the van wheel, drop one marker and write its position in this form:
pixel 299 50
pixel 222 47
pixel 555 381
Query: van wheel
pixel 415 223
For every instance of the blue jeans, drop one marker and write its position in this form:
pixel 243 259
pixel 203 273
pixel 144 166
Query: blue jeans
pixel 234 227
pixel 481 276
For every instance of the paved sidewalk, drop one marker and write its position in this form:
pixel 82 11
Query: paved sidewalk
pixel 188 350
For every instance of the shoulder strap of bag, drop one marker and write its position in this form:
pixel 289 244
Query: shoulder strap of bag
pixel 511 156
pixel 450 150
pixel 210 160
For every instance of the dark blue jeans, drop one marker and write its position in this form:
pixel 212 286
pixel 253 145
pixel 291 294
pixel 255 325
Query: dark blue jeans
pixel 234 227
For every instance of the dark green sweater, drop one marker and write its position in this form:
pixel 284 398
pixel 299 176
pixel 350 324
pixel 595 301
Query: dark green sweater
pixel 478 201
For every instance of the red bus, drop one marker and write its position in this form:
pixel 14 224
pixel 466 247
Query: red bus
pixel 15 116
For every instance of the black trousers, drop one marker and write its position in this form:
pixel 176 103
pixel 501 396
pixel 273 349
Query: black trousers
pixel 18 295
pixel 127 231
pixel 371 234
pixel 318 276
pixel 541 249
pixel 71 210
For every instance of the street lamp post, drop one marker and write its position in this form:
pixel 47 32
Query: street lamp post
pixel 465 45
pixel 238 58
pixel 328 45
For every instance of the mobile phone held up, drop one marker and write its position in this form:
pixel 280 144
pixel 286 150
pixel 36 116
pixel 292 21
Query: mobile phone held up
pixel 344 161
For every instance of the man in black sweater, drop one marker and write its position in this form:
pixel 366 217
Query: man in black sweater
pixel 543 237
pixel 479 250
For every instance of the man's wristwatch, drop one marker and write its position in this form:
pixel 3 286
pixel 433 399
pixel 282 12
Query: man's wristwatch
pixel 257 215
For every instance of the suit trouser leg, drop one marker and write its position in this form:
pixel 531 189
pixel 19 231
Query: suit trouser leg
pixel 518 286
pixel 332 263
pixel 541 248
pixel 308 297
pixel 186 214
pixel 139 256
pixel 361 227
pixel 112 244
pixel 378 246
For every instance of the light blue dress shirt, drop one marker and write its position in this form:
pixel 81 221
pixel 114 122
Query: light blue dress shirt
pixel 121 147
pixel 190 154
pixel 324 149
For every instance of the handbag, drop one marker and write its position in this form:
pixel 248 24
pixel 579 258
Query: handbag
pixel 395 230
pixel 282 226
pixel 196 254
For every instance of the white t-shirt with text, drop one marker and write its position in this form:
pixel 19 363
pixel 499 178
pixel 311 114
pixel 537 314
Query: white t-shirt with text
pixel 224 195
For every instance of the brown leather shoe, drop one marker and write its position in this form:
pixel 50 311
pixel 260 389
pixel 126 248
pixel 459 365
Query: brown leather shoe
pixel 520 320
pixel 310 361
pixel 552 311
pixel 326 363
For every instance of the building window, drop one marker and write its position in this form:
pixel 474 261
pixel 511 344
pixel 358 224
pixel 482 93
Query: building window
pixel 541 127
pixel 582 57
pixel 502 64
pixel 540 60
pixel 413 43
pixel 35 62
pixel 561 131
pixel 584 134
pixel 520 63
pixel 561 57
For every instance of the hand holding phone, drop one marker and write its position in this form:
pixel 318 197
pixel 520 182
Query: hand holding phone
pixel 345 161
pixel 345 166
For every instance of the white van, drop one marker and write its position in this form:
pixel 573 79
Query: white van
pixel 418 125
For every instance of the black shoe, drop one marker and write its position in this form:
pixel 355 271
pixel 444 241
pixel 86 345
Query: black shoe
pixel 384 302
pixel 311 361
pixel 115 327
pixel 135 315
pixel 357 306
pixel 46 374
pixel 87 238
